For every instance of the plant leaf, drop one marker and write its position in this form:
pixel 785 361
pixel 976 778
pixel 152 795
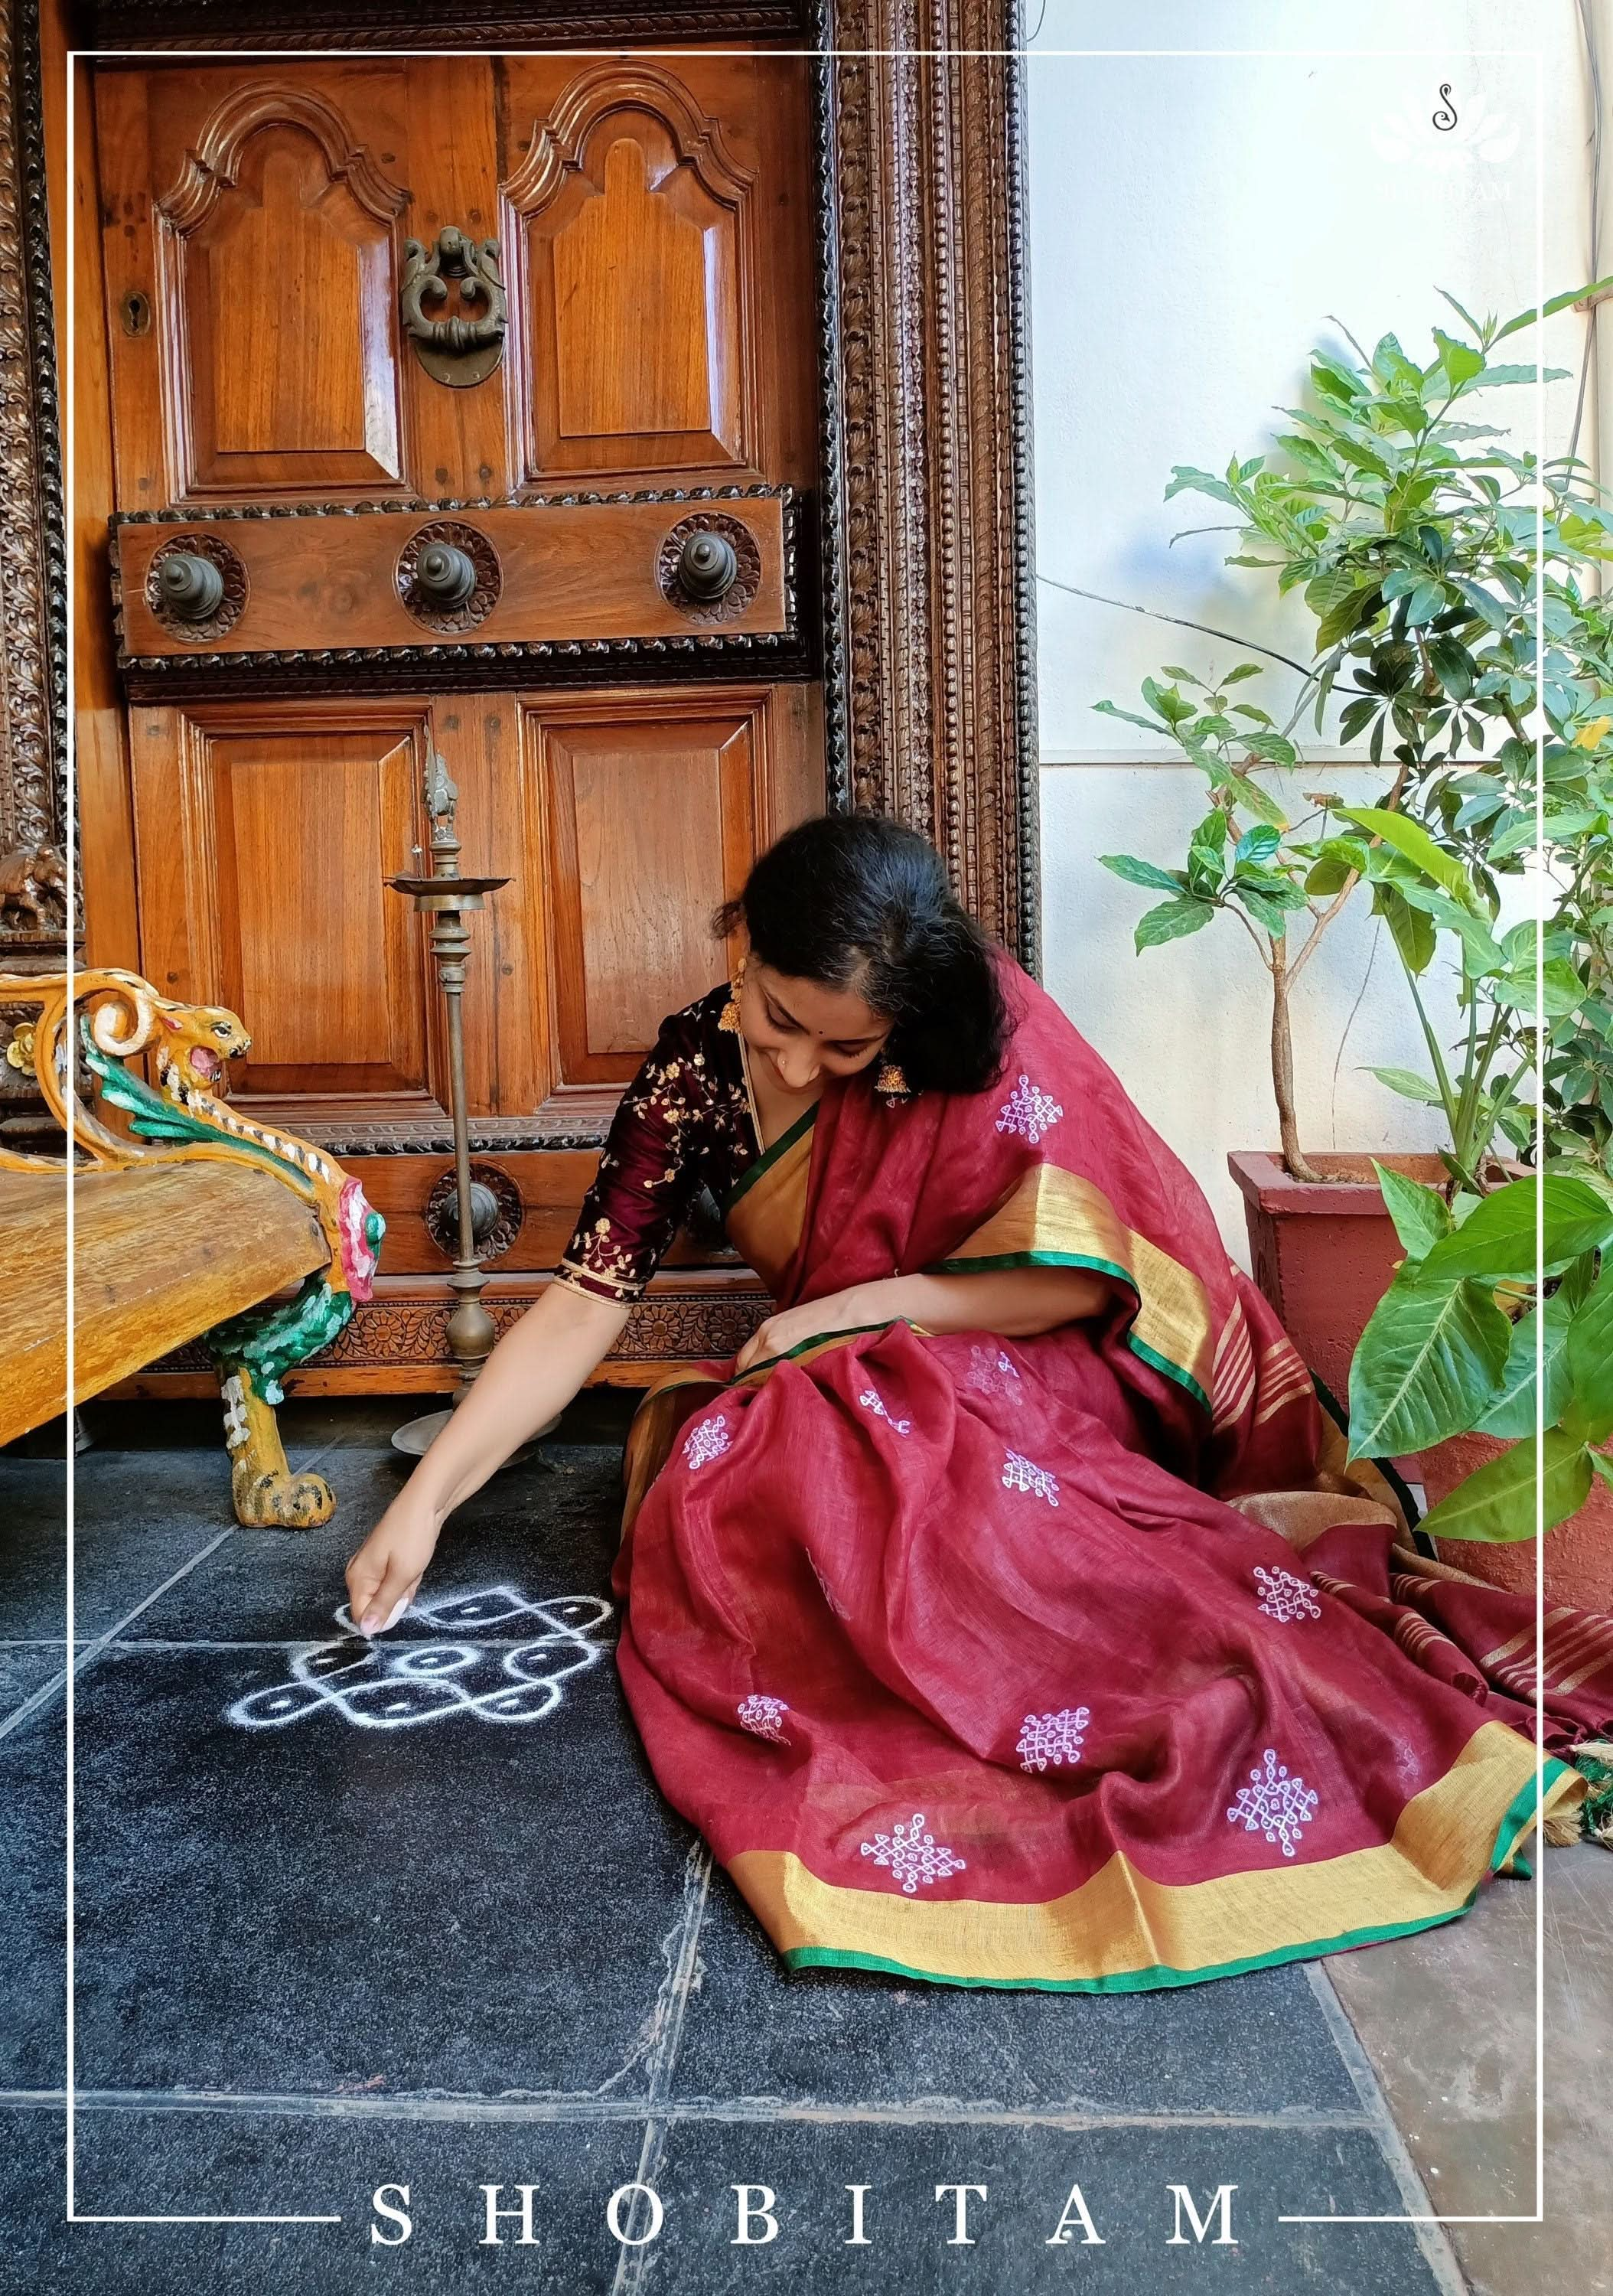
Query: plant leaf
pixel 1426 1365
pixel 1512 1415
pixel 1170 920
pixel 1590 1357
pixel 1408 1084
pixel 1497 1504
pixel 1497 1237
pixel 1420 1215
pixel 1409 839
pixel 1140 872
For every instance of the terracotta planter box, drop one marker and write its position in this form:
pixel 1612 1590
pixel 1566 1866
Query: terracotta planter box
pixel 1323 1252
pixel 1578 1553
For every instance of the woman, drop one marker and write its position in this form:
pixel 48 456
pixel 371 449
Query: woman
pixel 1001 1615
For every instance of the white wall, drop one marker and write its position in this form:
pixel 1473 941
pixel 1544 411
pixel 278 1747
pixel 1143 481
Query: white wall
pixel 1193 221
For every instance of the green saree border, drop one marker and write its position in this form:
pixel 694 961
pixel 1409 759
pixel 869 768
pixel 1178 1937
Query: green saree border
pixel 1162 1976
pixel 768 1158
pixel 1139 1348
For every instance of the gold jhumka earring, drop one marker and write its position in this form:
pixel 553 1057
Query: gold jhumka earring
pixel 729 1017
pixel 890 1083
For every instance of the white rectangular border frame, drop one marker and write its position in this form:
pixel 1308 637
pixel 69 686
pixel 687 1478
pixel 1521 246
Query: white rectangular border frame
pixel 170 55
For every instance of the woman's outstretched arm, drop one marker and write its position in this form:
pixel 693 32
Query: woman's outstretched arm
pixel 1014 1302
pixel 533 1371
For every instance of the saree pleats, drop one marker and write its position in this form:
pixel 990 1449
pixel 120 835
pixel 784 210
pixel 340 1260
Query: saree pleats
pixel 1080 1661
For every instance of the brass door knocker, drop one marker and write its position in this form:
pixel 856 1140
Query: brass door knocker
pixel 457 351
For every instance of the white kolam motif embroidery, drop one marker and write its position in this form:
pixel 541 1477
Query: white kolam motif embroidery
pixel 706 1442
pixel 1028 1111
pixel 915 1857
pixel 871 1401
pixel 1021 1474
pixel 764 1717
pixel 1051 1739
pixel 993 1372
pixel 1284 1597
pixel 1274 1804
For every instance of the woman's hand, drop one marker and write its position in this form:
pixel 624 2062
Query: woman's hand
pixel 793 1327
pixel 1015 1303
pixel 531 1375
pixel 384 1574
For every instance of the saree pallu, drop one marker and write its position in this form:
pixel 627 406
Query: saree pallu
pixel 1075 1661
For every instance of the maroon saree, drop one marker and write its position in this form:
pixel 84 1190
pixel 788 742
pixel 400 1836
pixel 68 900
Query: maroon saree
pixel 1075 1661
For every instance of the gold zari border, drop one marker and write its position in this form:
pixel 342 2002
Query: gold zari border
pixel 1120 1921
pixel 1055 1213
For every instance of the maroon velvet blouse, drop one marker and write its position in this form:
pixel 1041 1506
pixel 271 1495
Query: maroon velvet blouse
pixel 684 1123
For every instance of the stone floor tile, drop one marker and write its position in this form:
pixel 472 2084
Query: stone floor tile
pixel 241 2162
pixel 1255 2044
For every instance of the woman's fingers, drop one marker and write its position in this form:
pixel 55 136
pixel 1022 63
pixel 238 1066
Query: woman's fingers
pixel 759 1344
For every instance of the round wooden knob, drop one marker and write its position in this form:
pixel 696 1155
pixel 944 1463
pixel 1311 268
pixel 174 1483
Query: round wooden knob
pixel 707 566
pixel 444 575
pixel 190 587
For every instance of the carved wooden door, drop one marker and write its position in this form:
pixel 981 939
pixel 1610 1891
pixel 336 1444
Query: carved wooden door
pixel 462 405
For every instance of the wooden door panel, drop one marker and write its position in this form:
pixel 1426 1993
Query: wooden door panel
pixel 256 223
pixel 647 812
pixel 265 836
pixel 656 241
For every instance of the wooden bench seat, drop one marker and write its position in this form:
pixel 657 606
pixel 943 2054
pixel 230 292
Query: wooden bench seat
pixel 160 1255
pixel 195 1222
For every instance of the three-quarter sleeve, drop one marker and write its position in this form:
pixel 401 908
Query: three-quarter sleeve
pixel 647 1175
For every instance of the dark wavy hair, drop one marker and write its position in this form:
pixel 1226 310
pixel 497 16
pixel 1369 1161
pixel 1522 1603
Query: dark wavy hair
pixel 857 901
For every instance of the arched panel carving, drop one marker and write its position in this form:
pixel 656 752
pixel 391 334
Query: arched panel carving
pixel 276 268
pixel 630 250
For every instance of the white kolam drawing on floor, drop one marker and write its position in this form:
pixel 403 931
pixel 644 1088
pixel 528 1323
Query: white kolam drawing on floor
pixel 400 1685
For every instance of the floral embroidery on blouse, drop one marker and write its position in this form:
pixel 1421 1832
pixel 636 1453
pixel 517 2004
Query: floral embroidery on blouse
pixel 683 1124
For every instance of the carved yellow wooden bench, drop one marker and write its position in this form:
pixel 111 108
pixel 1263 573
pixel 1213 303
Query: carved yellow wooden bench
pixel 184 1232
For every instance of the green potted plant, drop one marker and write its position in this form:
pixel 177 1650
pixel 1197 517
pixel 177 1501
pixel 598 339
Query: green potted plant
pixel 1476 1339
pixel 1407 526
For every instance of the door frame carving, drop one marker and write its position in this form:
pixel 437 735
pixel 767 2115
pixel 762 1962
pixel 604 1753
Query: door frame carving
pixel 33 575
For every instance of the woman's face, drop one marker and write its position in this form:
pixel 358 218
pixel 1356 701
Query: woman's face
pixel 804 1032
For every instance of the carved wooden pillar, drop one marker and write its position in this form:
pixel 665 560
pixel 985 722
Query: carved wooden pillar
pixel 932 597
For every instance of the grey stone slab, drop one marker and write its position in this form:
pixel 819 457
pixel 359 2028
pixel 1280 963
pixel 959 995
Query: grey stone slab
pixel 547 1527
pixel 1448 2022
pixel 312 1890
pixel 1124 2176
pixel 138 1517
pixel 26 1668
pixel 1254 2044
pixel 141 2163
pixel 33 1893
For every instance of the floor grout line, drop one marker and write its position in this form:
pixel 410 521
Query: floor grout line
pixel 90 1650
pixel 633 2265
pixel 1432 2238
pixel 585 2107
